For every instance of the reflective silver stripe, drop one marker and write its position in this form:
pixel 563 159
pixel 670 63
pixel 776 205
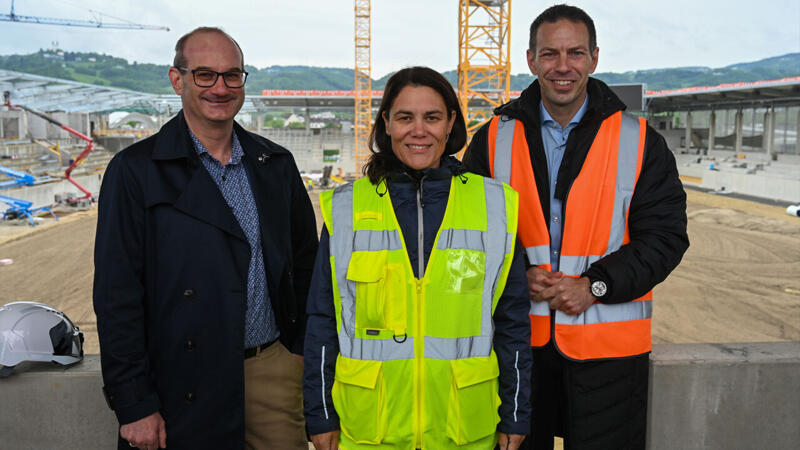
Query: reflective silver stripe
pixel 376 349
pixel 626 178
pixel 539 309
pixel 373 240
pixel 460 238
pixel 538 255
pixel 576 265
pixel 322 375
pixel 457 348
pixel 502 148
pixel 516 393
pixel 627 159
pixel 496 243
pixel 341 246
pixel 602 313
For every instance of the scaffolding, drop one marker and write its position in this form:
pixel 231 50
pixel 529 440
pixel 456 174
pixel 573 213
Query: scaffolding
pixel 484 68
pixel 363 84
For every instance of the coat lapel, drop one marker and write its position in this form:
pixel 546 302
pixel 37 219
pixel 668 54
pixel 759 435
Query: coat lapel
pixel 183 181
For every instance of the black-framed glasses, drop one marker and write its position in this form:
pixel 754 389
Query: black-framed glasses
pixel 206 78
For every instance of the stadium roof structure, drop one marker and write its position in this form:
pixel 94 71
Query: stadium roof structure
pixel 54 94
pixel 776 93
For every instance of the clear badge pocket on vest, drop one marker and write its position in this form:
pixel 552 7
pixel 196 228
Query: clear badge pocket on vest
pixel 380 306
pixel 359 398
pixel 472 412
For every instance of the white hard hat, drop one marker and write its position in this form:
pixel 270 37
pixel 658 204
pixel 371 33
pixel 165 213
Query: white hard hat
pixel 31 331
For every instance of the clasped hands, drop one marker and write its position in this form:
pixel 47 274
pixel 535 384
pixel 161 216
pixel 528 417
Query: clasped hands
pixel 567 294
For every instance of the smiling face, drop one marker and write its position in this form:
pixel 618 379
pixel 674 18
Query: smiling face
pixel 418 123
pixel 217 104
pixel 562 62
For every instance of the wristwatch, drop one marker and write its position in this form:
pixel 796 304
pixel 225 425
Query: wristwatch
pixel 598 288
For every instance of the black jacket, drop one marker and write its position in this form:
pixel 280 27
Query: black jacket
pixel 657 218
pixel 170 287
pixel 512 327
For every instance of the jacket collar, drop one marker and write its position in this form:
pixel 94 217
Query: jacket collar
pixel 602 102
pixel 174 142
pixel 449 167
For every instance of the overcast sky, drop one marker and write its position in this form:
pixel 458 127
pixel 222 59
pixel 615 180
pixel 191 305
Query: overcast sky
pixel 632 34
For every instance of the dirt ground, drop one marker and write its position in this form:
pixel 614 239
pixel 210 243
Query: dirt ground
pixel 739 281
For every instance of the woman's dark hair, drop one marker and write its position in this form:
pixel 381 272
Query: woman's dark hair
pixel 383 160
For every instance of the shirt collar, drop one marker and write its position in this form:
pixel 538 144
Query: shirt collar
pixel 236 154
pixel 547 119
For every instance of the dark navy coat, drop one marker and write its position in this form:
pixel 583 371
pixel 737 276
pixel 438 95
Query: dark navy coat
pixel 170 287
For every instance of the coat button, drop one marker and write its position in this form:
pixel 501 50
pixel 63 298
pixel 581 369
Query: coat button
pixel 189 345
pixel 188 293
pixel 189 397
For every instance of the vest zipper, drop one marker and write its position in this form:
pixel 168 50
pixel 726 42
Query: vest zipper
pixel 420 233
pixel 420 340
pixel 419 372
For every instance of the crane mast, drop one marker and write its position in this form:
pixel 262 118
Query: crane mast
pixel 484 67
pixel 363 83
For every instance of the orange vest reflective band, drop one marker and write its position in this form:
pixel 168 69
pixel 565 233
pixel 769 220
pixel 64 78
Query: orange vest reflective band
pixel 595 224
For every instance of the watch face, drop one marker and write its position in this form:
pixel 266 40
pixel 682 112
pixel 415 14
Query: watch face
pixel 599 288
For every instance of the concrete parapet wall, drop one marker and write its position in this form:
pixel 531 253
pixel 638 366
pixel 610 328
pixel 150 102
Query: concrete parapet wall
pixel 47 407
pixel 770 186
pixel 702 396
pixel 724 396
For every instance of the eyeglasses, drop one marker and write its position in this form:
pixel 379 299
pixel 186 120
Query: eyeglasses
pixel 207 78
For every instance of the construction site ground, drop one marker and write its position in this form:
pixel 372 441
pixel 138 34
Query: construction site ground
pixel 738 282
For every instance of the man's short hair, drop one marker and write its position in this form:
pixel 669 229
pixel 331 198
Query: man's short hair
pixel 180 59
pixel 557 12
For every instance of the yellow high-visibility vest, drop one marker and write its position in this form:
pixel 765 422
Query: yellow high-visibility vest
pixel 416 367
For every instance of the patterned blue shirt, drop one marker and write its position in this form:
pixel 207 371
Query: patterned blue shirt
pixel 260 326
pixel 554 139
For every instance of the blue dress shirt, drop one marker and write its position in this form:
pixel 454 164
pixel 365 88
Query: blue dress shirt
pixel 554 138
pixel 260 326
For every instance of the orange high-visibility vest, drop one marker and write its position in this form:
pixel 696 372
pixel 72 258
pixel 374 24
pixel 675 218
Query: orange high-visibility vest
pixel 595 224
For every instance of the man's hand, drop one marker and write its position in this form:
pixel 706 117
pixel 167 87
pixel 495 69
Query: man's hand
pixel 510 441
pixel 540 279
pixel 326 441
pixel 298 358
pixel 570 295
pixel 148 433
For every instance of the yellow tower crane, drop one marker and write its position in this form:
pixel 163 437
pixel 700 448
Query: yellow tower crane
pixel 363 84
pixel 484 69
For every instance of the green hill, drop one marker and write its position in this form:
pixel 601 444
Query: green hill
pixel 107 70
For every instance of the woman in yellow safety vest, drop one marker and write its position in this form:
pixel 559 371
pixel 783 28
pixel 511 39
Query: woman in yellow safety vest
pixel 417 334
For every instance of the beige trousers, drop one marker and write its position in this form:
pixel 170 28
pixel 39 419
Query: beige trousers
pixel 273 400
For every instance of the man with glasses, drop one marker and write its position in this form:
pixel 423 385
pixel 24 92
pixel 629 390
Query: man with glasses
pixel 205 243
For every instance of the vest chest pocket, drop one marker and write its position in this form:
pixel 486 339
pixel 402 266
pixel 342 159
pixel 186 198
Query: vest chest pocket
pixel 359 399
pixel 380 306
pixel 472 410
